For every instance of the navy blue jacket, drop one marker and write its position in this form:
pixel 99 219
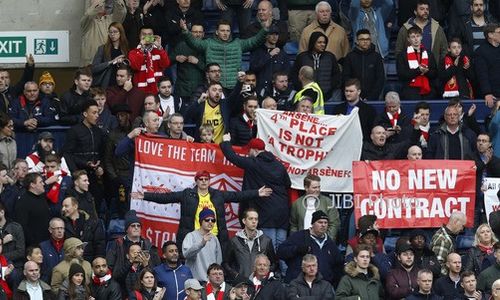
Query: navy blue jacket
pixel 264 65
pixel 330 260
pixel 487 64
pixel 50 259
pixel 21 110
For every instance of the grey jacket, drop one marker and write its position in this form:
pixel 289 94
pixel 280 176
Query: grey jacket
pixel 198 256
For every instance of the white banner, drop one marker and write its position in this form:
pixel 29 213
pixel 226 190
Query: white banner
pixel 491 201
pixel 318 144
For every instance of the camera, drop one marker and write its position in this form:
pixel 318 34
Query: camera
pixel 149 39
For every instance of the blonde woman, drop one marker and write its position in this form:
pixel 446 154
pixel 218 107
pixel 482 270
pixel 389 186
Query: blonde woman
pixel 480 256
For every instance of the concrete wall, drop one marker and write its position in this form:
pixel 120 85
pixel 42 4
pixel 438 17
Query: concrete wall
pixel 45 15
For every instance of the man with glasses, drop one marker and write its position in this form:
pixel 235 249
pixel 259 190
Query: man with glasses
pixel 194 200
pixel 213 73
pixel 200 247
pixel 451 140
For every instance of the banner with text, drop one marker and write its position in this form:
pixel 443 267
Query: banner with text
pixel 166 165
pixel 317 144
pixel 422 193
pixel 491 201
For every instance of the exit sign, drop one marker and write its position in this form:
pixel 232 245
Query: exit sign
pixel 45 46
pixel 13 46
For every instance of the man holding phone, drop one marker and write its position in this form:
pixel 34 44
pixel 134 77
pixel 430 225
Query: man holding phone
pixel 148 61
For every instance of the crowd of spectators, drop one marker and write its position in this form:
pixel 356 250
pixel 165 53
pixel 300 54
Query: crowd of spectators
pixel 150 67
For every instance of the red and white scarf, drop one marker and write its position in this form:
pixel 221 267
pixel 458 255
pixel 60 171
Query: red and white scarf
pixel 415 59
pixel 257 283
pixel 451 88
pixel 210 291
pixel 53 193
pixel 101 280
pixel 393 118
pixel 424 134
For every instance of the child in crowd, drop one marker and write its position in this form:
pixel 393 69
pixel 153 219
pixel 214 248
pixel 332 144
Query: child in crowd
pixel 206 133
pixel 456 72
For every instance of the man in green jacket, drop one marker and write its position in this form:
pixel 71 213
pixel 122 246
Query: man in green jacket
pixel 224 50
pixel 311 201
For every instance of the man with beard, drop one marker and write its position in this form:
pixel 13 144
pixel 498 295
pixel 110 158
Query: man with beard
pixel 169 103
pixel 44 146
pixel 213 110
pixel 244 127
pixel 280 91
pixel 172 273
pixel 401 281
pixel 118 168
pixel 103 286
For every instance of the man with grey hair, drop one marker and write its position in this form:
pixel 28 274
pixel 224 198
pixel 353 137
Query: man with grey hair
pixel 444 240
pixel 310 282
pixel 396 123
pixel 310 89
pixel 265 285
pixel 451 140
pixel 338 43
pixel 264 13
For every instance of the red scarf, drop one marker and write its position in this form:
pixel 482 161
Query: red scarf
pixel 101 280
pixel 486 249
pixel 210 291
pixel 53 193
pixel 57 244
pixel 451 87
pixel 414 60
pixel 393 118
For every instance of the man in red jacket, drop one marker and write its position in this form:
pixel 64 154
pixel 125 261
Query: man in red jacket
pixel 148 61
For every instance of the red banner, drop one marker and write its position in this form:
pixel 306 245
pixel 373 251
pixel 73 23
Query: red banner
pixel 422 193
pixel 164 165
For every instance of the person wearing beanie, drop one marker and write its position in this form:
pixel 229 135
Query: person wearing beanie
pixel 366 224
pixel 401 280
pixel 425 258
pixel 75 286
pixel 312 241
pixel 193 200
pixel 200 247
pixel 46 83
pixel 116 256
pixel 73 255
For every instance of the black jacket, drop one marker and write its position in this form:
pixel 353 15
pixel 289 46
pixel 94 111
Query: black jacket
pixel 368 68
pixel 238 258
pixel 428 260
pixel 241 132
pixel 264 65
pixel 270 289
pixel 117 251
pixel 85 201
pixel 71 106
pixel 487 64
pixel 388 151
pixel 320 289
pixel 366 116
pixel 462 76
pixel 14 251
pixel 477 261
pixel 32 213
pixel 264 170
pixel 255 27
pixel 403 121
pixel 88 230
pixel 108 291
pixel 438 147
pixel 447 289
pixel 12 92
pixel 406 75
pixel 172 29
pixel 326 69
pixel 189 200
pixel 417 296
pixel 83 144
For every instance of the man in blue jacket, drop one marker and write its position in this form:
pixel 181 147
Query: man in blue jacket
pixel 172 273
